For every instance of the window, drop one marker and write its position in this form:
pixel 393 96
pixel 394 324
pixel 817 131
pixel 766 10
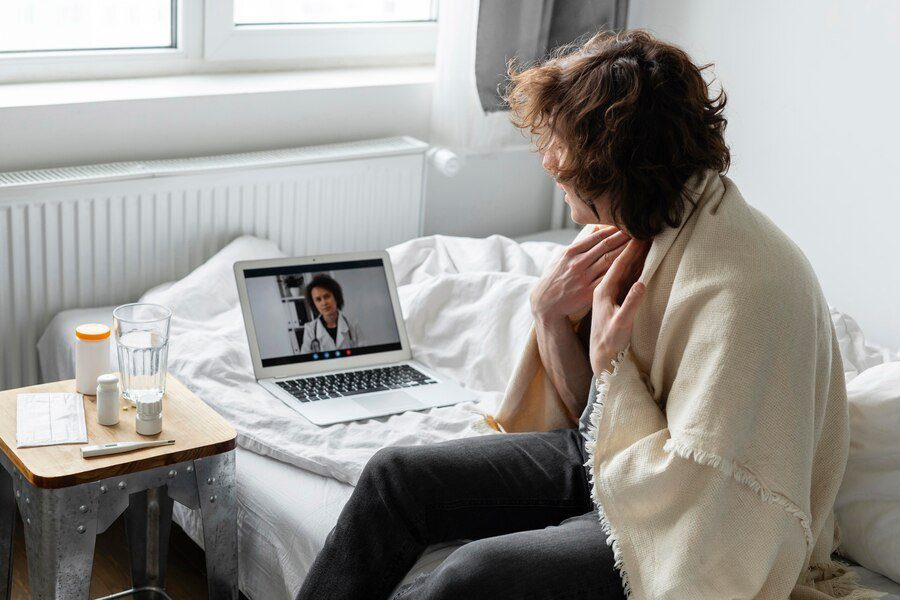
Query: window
pixel 67 25
pixel 45 40
pixel 294 12
pixel 317 29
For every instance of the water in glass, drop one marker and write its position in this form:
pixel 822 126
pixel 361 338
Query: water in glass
pixel 142 361
pixel 142 346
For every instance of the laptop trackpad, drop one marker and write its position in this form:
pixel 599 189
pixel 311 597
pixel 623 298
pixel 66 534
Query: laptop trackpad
pixel 390 402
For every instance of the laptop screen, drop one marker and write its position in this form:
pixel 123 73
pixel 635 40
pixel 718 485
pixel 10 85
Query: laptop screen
pixel 321 311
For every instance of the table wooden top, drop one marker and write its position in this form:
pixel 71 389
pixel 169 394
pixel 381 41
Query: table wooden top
pixel 197 429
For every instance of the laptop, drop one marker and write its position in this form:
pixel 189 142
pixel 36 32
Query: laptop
pixel 327 338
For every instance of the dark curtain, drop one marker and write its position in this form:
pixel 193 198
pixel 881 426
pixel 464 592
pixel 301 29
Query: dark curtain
pixel 529 30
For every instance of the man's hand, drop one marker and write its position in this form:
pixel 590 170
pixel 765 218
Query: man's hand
pixel 567 287
pixel 615 302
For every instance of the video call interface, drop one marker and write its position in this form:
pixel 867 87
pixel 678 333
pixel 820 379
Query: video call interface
pixel 322 311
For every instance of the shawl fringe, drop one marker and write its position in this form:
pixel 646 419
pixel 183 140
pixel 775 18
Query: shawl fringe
pixel 834 577
pixel 744 476
pixel 596 412
pixel 485 424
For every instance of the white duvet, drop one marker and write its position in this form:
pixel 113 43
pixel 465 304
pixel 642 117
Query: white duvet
pixel 465 303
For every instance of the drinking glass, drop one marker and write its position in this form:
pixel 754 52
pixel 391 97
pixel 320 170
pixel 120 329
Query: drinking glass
pixel 142 346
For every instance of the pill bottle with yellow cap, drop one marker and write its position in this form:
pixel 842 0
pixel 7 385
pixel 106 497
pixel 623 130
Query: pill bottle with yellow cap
pixel 91 356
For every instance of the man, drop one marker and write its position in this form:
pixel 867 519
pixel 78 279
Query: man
pixel 680 405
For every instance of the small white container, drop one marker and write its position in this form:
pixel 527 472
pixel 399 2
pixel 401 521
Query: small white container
pixel 108 399
pixel 91 356
pixel 148 420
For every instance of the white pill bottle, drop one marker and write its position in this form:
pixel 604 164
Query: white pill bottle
pixel 91 356
pixel 108 399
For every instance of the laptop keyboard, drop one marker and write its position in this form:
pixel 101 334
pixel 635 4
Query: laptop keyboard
pixel 351 383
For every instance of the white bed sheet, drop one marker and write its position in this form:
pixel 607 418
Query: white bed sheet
pixel 284 516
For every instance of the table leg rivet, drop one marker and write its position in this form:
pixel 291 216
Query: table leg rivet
pixel 190 469
pixel 80 529
pixel 172 474
pixel 102 489
pixel 122 485
pixel 83 508
pixel 212 498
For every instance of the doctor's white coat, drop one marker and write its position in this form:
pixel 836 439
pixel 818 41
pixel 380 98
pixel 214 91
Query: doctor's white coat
pixel 317 339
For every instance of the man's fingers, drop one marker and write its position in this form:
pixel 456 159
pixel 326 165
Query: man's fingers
pixel 624 318
pixel 617 239
pixel 602 265
pixel 591 239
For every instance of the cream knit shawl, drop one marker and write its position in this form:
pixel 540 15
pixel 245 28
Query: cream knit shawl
pixel 721 436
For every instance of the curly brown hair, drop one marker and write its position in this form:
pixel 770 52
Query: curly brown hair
pixel 636 121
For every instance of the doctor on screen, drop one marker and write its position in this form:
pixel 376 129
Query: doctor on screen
pixel 331 329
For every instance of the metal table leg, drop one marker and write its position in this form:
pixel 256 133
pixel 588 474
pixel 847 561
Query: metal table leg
pixel 148 521
pixel 218 511
pixel 61 526
pixel 60 530
pixel 7 528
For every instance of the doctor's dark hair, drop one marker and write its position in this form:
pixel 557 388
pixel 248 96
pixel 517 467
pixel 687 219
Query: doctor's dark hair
pixel 327 282
pixel 634 118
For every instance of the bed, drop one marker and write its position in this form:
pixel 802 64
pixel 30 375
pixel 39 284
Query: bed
pixel 292 479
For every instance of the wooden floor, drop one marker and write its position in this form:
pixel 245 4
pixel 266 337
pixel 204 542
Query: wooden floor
pixel 185 579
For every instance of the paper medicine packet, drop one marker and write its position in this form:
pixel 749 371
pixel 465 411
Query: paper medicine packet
pixel 48 419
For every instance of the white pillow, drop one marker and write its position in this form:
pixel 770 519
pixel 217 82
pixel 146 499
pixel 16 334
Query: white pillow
pixel 858 354
pixel 868 503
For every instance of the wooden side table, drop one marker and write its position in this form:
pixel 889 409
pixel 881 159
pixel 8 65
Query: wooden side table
pixel 65 500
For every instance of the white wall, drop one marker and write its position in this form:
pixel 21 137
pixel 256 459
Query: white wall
pixel 367 300
pixel 813 126
pixel 270 317
pixel 505 193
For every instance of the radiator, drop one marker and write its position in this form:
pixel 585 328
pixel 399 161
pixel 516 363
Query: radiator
pixel 104 234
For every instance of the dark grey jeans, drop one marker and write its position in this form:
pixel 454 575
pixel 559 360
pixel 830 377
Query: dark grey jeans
pixel 523 497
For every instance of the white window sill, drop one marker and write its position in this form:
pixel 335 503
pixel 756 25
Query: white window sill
pixel 23 95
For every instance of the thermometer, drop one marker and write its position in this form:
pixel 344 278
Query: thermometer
pixel 120 447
